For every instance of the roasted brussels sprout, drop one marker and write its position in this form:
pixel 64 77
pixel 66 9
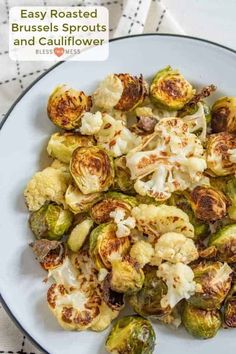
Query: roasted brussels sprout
pixel 230 308
pixel 126 275
pixel 221 153
pixel 193 105
pixel 170 90
pixel 131 335
pixel 181 200
pixel 224 115
pixel 208 204
pixel 79 234
pixel 113 299
pixel 231 193
pixel 66 105
pixel 225 242
pixel 122 176
pixel 61 145
pixel 213 284
pixel 103 243
pixel 51 221
pixel 92 169
pixel 147 302
pixel 100 212
pixel 135 90
pixel 201 323
pixel 79 202
pixel 50 254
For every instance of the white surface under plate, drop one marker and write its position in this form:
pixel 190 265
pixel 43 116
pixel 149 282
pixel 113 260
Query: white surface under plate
pixel 22 152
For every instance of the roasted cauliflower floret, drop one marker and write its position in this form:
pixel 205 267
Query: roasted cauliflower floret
pixel 174 163
pixel 174 247
pixel 142 252
pixel 108 93
pixel 157 220
pixel 91 123
pixel 47 185
pixel 115 137
pixel 66 105
pixel 221 153
pixel 124 225
pixel 120 91
pixel 179 280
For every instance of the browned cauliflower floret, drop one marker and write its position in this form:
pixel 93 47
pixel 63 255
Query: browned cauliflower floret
pixel 47 185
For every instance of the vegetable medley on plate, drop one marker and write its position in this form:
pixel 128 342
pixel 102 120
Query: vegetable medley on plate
pixel 138 208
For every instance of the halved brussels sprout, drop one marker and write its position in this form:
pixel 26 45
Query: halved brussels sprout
pixel 213 284
pixel 135 90
pixel 147 302
pixel 61 145
pixel 230 308
pixel 221 153
pixel 105 317
pixel 100 212
pixel 103 243
pixel 131 335
pixel 170 90
pixel 201 323
pixel 92 169
pixel 126 275
pixel 50 254
pixel 208 204
pixel 79 202
pixel 224 115
pixel 231 193
pixel 79 234
pixel 113 299
pixel 66 105
pixel 51 221
pixel 201 229
pixel 122 176
pixel 225 242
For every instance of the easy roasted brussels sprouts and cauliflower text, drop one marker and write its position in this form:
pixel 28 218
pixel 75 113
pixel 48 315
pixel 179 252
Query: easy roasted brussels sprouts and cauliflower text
pixel 138 207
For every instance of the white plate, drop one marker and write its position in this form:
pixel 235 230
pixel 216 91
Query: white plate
pixel 22 152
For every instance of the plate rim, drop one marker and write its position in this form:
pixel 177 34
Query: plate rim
pixel 25 91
